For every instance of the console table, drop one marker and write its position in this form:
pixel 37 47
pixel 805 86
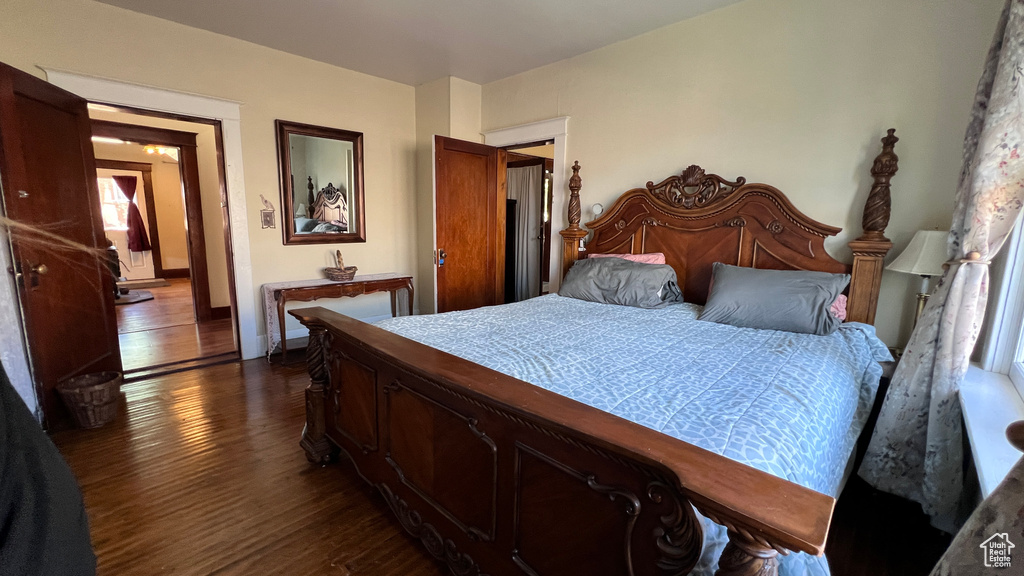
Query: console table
pixel 277 294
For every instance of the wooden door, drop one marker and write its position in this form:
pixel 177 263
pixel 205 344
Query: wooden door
pixel 48 176
pixel 469 213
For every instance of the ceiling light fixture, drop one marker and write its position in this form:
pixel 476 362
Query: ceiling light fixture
pixel 164 151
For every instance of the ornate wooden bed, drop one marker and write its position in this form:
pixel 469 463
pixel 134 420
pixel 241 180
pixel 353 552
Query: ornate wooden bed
pixel 496 476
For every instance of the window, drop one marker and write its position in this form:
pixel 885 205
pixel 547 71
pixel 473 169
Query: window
pixel 1004 346
pixel 114 205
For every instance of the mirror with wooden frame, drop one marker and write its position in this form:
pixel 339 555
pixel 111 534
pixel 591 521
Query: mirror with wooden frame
pixel 321 184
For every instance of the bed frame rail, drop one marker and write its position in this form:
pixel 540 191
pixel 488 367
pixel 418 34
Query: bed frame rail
pixel 497 476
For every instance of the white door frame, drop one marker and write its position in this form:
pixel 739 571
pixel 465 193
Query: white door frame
pixel 554 129
pixel 103 90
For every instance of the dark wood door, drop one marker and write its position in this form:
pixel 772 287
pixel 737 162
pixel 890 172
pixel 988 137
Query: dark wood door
pixel 469 211
pixel 49 182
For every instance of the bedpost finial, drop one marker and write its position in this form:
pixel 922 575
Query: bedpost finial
pixel 890 139
pixel 575 184
pixel 879 203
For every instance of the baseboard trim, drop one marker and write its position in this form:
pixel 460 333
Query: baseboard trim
pixel 220 312
pixel 176 273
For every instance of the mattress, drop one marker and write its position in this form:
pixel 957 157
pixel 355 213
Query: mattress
pixel 791 405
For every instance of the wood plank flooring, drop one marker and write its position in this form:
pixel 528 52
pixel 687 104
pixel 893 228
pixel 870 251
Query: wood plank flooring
pixel 162 346
pixel 170 306
pixel 163 330
pixel 202 474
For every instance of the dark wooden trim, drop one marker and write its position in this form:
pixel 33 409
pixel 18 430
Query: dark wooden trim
pixel 189 162
pixel 142 134
pixel 283 129
pixel 229 252
pixel 524 162
pixel 220 312
pixel 188 166
pixel 176 273
pixel 517 160
pixel 147 186
pixel 124 165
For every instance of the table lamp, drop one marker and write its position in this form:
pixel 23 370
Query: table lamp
pixel 924 256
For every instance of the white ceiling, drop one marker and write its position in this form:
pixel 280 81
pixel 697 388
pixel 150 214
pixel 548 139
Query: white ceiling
pixel 416 41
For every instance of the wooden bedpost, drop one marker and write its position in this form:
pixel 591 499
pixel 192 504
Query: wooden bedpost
pixel 573 235
pixel 743 556
pixel 314 439
pixel 870 249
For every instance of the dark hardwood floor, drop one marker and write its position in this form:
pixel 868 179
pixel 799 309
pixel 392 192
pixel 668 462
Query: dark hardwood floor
pixel 202 474
pixel 170 306
pixel 878 534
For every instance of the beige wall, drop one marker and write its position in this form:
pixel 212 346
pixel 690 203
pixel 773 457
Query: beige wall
pixel 88 37
pixel 466 110
pixel 794 93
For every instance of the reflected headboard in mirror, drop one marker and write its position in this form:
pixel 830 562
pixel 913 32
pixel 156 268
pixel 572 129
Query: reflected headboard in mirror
pixel 321 184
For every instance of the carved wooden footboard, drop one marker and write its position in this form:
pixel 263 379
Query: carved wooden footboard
pixel 496 476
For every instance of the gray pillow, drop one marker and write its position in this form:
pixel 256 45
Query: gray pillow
pixel 790 300
pixel 305 224
pixel 618 281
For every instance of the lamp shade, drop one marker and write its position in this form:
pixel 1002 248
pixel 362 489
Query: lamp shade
pixel 924 256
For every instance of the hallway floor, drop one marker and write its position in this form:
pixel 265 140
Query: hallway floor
pixel 163 330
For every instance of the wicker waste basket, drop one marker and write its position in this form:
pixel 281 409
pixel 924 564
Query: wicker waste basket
pixel 92 398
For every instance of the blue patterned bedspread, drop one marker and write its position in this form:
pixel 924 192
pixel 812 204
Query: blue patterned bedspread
pixel 789 404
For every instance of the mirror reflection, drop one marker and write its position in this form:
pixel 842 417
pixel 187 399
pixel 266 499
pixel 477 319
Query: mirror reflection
pixel 323 201
pixel 322 194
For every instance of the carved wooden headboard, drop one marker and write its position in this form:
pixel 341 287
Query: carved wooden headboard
pixel 330 205
pixel 697 219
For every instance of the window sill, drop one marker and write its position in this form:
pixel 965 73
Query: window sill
pixel 990 403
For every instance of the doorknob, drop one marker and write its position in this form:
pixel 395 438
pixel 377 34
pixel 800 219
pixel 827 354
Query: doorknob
pixel 441 256
pixel 34 272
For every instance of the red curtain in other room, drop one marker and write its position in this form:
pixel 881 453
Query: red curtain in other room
pixel 138 239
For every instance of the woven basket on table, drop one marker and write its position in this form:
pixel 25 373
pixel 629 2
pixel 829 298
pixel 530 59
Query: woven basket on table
pixel 340 273
pixel 92 398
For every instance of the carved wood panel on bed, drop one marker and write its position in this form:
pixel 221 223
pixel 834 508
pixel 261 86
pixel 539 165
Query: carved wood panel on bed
pixel 497 476
pixel 697 219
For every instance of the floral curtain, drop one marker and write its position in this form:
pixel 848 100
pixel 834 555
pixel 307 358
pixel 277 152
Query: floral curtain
pixel 138 240
pixel 980 548
pixel 916 450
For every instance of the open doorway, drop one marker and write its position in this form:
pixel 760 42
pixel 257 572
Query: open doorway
pixel 175 307
pixel 529 169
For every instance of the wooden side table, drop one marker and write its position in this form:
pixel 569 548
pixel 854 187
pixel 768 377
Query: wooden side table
pixel 368 284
